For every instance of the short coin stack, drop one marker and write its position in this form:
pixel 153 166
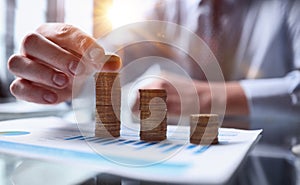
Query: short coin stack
pixel 153 115
pixel 108 102
pixel 204 129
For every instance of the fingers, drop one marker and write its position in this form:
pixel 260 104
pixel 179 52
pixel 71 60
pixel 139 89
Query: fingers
pixel 76 41
pixel 37 47
pixel 37 82
pixel 51 57
pixel 112 62
pixel 37 72
pixel 37 95
pixel 70 37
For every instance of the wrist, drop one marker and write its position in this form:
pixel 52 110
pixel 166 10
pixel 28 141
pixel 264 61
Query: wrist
pixel 237 103
pixel 222 98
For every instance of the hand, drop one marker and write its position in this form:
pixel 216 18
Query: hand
pixel 184 94
pixel 49 61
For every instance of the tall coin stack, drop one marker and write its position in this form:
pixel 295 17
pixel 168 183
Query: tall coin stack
pixel 153 114
pixel 108 102
pixel 204 129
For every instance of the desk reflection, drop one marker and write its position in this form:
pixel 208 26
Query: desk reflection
pixel 271 161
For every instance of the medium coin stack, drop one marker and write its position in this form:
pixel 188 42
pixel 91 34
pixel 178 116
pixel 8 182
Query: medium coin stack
pixel 153 114
pixel 108 102
pixel 204 129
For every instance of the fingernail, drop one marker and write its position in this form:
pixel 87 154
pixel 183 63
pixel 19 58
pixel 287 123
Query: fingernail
pixel 112 62
pixel 50 97
pixel 60 79
pixel 73 67
pixel 76 68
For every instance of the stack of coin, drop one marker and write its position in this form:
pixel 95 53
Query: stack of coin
pixel 108 102
pixel 204 129
pixel 153 114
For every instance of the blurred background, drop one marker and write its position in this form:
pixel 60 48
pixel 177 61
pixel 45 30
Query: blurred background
pixel 19 17
pixel 95 17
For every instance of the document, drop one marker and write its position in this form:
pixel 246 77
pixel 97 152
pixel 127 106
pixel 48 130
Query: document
pixel 22 109
pixel 173 160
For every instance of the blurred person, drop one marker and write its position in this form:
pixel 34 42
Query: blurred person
pixel 256 43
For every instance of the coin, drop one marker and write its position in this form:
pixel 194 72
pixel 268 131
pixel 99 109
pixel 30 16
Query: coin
pixel 153 115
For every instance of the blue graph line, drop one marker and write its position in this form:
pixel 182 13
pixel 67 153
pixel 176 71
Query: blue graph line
pixel 228 134
pixel 73 138
pixel 147 145
pixel 139 143
pixel 94 158
pixel 85 138
pixel 164 145
pixel 191 147
pixel 172 148
pixel 103 140
pixel 201 150
pixel 114 141
pixel 127 142
pixel 142 144
pixel 95 139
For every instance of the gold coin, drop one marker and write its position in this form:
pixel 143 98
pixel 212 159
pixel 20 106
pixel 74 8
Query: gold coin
pixel 108 103
pixel 153 139
pixel 152 91
pixel 153 129
pixel 205 130
pixel 112 58
pixel 204 142
pixel 204 118
pixel 153 98
pixel 110 74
